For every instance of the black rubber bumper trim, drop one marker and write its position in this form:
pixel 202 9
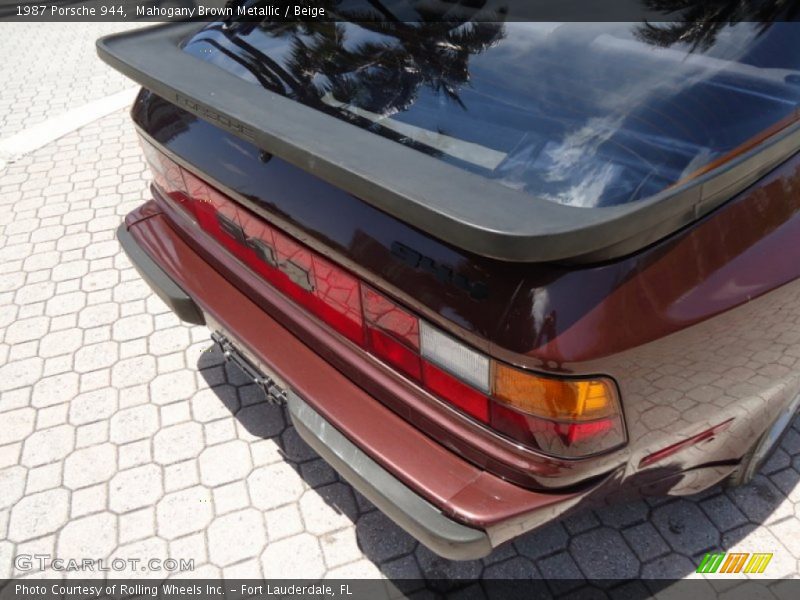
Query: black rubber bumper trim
pixel 417 516
pixel 162 284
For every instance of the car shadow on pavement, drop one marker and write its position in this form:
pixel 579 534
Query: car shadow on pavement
pixel 662 538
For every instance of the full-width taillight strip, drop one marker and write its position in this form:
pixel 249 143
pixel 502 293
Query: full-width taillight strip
pixel 561 417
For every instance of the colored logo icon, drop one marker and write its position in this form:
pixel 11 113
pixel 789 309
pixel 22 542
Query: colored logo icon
pixel 734 562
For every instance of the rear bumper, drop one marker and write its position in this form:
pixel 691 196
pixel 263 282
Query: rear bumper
pixel 452 506
pixel 400 503
pixel 162 284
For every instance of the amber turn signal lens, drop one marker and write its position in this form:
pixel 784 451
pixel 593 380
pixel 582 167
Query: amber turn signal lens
pixel 573 400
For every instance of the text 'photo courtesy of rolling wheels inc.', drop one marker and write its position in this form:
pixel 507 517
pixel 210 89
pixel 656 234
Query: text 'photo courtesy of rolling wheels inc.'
pixel 382 299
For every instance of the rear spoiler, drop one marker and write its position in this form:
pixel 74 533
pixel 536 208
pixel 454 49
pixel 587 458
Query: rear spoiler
pixel 453 205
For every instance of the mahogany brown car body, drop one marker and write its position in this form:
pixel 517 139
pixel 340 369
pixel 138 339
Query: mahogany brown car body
pixel 698 329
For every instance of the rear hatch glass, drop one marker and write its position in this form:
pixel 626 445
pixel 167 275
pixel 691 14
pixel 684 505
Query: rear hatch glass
pixel 580 114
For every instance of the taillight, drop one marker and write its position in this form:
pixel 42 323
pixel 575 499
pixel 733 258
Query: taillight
pixel 455 391
pixel 562 417
pixel 392 332
pixel 454 357
pixel 317 284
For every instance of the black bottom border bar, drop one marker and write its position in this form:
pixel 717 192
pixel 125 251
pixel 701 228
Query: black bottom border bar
pixel 63 587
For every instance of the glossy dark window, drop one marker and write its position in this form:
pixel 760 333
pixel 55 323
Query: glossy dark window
pixel 584 114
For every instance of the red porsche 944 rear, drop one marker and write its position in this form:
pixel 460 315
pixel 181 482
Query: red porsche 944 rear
pixel 498 272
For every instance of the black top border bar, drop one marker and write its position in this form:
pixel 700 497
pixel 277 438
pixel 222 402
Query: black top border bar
pixel 729 11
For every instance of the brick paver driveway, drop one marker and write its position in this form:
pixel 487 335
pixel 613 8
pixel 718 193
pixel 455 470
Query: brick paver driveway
pixel 123 434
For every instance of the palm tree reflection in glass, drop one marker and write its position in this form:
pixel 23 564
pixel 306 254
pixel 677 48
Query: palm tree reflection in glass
pixel 366 67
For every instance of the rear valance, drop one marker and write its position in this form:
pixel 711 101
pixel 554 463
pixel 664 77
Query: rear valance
pixel 454 205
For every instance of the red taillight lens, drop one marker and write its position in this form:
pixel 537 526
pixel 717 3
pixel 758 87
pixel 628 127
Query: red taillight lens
pixel 459 394
pixel 382 313
pixel 393 352
pixel 567 439
pixel 560 417
pixel 326 290
pixel 392 332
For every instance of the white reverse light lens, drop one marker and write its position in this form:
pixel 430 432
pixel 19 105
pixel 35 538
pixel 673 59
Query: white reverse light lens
pixel 442 350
